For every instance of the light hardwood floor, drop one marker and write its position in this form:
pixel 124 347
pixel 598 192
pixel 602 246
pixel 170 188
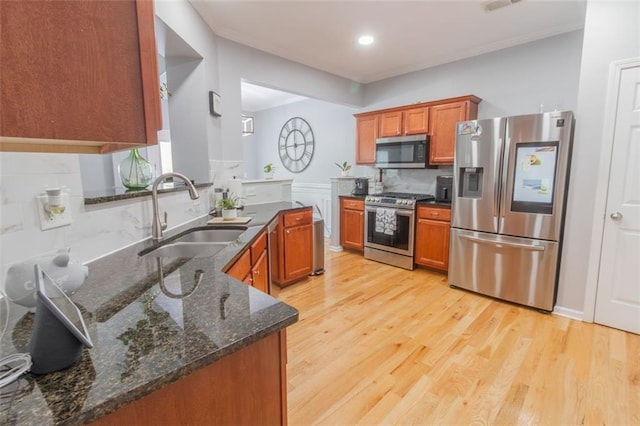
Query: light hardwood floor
pixel 380 345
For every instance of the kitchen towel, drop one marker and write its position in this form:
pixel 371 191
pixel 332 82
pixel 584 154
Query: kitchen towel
pixel 385 221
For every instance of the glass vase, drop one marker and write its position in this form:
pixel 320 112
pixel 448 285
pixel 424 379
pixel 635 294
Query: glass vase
pixel 135 171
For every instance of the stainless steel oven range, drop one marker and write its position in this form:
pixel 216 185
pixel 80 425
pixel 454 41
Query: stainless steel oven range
pixel 389 227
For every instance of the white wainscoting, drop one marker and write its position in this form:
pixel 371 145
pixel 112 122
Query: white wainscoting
pixel 315 194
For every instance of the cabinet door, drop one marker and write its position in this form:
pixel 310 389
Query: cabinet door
pixel 259 273
pixel 241 267
pixel 352 224
pixel 298 251
pixel 416 121
pixel 367 133
pixel 443 119
pixel 73 80
pixel 432 243
pixel 391 124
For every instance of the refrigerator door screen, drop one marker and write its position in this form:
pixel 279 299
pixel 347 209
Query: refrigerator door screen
pixel 534 177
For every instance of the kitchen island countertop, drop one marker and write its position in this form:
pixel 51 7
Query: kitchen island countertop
pixel 152 321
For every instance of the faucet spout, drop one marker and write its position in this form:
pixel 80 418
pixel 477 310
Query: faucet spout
pixel 158 225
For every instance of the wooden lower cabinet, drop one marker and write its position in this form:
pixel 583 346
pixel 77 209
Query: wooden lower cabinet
pixel 252 266
pixel 247 387
pixel 294 247
pixel 352 223
pixel 432 237
pixel 260 273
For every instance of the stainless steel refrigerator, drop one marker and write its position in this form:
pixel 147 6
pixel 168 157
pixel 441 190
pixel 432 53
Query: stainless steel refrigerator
pixel 509 195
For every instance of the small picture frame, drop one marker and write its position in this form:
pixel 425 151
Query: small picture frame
pixel 214 104
pixel 247 125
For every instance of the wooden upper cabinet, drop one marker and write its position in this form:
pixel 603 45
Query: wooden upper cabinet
pixel 436 118
pixel 416 121
pixel 391 124
pixel 410 121
pixel 442 128
pixel 367 133
pixel 78 76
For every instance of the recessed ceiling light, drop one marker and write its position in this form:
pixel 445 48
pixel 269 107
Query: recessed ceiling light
pixel 365 40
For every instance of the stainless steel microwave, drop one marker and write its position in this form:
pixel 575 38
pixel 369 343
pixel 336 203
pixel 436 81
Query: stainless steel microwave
pixel 403 152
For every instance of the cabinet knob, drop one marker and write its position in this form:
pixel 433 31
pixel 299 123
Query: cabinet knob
pixel 298 218
pixel 288 231
pixel 435 214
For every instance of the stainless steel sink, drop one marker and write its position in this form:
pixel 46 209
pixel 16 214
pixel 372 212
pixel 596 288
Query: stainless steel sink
pixel 211 236
pixel 198 243
pixel 183 249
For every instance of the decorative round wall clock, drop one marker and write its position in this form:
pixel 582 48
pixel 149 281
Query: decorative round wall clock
pixel 296 144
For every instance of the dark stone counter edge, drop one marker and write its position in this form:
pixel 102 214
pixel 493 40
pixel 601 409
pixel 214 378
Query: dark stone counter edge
pixel 152 386
pixel 106 198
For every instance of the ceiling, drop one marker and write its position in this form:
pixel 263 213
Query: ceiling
pixel 410 35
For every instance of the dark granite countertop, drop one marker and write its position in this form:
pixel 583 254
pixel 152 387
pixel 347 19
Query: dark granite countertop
pixel 435 204
pixel 145 334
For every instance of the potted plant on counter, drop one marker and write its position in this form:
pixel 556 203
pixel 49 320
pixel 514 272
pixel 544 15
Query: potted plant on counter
pixel 229 207
pixel 268 171
pixel 344 168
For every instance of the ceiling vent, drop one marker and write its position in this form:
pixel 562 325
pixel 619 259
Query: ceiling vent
pixel 492 5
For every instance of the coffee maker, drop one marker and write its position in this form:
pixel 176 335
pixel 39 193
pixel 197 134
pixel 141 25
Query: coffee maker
pixel 444 186
pixel 361 186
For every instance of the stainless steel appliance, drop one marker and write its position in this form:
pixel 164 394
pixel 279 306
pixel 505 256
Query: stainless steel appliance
pixel 389 227
pixel 361 186
pixel 444 188
pixel 402 152
pixel 510 180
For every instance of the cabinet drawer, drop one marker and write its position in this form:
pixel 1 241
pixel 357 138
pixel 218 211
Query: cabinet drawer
pixel 353 204
pixel 298 218
pixel 241 268
pixel 434 213
pixel 258 246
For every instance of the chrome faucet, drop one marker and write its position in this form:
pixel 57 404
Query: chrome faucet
pixel 158 225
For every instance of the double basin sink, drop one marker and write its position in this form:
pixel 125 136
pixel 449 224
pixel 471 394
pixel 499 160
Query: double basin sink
pixel 197 243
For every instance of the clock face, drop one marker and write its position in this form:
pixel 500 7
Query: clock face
pixel 295 144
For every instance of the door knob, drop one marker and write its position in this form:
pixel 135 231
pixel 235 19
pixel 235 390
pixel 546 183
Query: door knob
pixel 616 216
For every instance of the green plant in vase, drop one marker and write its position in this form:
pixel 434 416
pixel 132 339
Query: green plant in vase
pixel 344 168
pixel 268 171
pixel 135 172
pixel 229 206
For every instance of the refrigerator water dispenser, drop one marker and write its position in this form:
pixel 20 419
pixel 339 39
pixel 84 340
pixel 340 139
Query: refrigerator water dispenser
pixel 471 179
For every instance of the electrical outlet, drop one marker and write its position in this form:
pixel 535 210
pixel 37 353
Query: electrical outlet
pixel 51 220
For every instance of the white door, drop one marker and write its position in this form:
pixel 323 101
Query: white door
pixel 618 295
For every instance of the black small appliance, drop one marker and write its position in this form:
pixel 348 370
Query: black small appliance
pixel 361 186
pixel 444 186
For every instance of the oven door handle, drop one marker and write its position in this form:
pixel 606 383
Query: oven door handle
pixel 399 212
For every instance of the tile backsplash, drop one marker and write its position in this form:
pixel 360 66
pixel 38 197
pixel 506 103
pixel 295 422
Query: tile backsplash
pixel 96 230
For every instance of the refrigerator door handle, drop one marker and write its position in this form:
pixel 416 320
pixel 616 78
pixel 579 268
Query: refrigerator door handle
pixel 502 243
pixel 497 196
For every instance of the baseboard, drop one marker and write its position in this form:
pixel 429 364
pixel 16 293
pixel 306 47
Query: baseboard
pixel 335 248
pixel 561 311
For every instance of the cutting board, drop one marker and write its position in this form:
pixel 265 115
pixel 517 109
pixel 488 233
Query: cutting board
pixel 232 221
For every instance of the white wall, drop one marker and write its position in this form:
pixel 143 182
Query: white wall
pixel 334 133
pixel 95 230
pixel 238 62
pixel 612 32
pixel 510 81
